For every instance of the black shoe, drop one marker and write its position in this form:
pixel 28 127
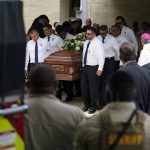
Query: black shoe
pixel 69 99
pixel 92 110
pixel 99 107
pixel 77 95
pixel 85 109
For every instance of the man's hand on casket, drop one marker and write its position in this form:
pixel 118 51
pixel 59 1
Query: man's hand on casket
pixel 99 73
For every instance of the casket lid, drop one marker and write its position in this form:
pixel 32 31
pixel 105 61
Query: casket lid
pixel 64 57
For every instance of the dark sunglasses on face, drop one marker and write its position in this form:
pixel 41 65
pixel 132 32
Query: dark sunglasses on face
pixel 119 23
pixel 102 33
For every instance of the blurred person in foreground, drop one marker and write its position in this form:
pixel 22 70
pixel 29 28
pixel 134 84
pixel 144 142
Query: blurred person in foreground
pixel 119 125
pixel 140 75
pixel 49 124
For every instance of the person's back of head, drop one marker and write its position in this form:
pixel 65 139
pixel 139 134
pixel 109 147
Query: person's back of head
pixel 121 87
pixel 127 52
pixel 42 80
pixel 60 29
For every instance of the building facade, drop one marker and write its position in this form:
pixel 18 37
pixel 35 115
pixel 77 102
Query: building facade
pixel 100 11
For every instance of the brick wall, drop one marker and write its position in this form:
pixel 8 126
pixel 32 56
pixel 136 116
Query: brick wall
pixel 105 11
pixel 34 8
pixel 101 11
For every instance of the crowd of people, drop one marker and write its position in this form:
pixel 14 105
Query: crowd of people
pixel 115 78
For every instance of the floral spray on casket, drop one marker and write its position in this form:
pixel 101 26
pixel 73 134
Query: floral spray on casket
pixel 75 43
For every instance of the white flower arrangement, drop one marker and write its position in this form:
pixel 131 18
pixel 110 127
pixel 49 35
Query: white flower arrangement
pixel 75 43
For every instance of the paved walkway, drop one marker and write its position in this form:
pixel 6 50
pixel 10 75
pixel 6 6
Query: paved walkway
pixel 79 103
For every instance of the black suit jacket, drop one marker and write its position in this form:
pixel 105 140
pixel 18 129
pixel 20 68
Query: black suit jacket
pixel 147 66
pixel 141 77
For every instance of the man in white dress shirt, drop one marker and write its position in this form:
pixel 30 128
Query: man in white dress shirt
pixel 111 51
pixel 93 62
pixel 54 42
pixel 35 51
pixel 126 31
pixel 67 85
pixel 115 31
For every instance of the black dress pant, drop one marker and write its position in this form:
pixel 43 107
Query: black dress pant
pixel 108 69
pixel 32 65
pixel 90 86
pixel 68 88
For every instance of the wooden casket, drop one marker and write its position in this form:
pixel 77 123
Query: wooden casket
pixel 66 64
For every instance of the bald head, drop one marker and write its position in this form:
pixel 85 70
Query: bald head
pixel 88 22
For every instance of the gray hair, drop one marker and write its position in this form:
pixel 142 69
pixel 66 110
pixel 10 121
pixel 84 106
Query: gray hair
pixel 127 52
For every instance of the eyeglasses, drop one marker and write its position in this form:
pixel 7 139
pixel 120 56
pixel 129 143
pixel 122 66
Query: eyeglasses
pixel 119 23
pixel 88 33
pixel 103 33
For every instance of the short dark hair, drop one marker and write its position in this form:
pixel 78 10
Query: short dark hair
pixel 120 17
pixel 121 87
pixel 123 19
pixel 60 29
pixel 127 52
pixel 116 26
pixel 49 26
pixel 103 28
pixel 33 29
pixel 42 79
pixel 43 17
pixel 91 29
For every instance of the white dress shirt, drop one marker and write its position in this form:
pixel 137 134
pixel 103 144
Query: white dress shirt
pixel 30 51
pixel 54 44
pixel 121 39
pixel 95 55
pixel 68 36
pixel 130 36
pixel 111 47
pixel 145 55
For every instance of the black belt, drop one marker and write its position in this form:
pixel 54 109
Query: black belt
pixel 109 58
pixel 35 64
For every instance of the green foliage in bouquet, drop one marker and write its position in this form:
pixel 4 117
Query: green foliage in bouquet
pixel 75 43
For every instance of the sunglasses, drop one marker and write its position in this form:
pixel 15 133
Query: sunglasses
pixel 103 33
pixel 119 23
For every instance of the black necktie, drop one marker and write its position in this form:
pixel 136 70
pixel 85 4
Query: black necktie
pixel 86 52
pixel 48 38
pixel 103 39
pixel 36 53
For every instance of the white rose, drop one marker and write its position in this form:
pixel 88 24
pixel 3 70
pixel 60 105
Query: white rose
pixel 80 34
pixel 74 37
pixel 77 48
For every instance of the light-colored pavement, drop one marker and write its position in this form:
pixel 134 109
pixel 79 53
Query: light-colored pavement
pixel 79 103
